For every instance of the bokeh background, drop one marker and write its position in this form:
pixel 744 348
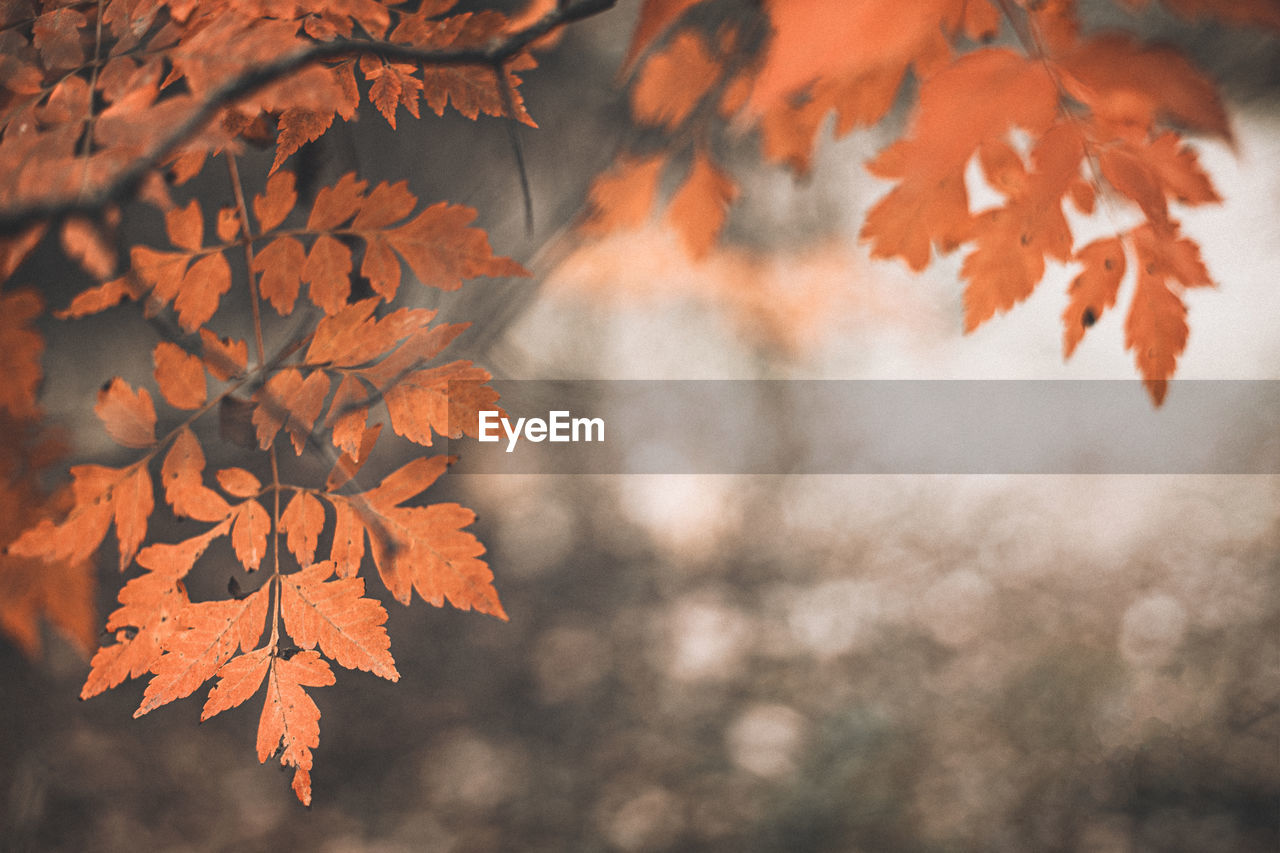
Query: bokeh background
pixel 821 663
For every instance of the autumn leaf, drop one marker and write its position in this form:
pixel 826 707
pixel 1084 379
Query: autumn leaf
pixel 144 621
pixel 224 358
pixel 302 522
pixel 1156 327
pixel 129 416
pixel 424 548
pixel 33 591
pixel 674 81
pixel 76 538
pixel 290 719
pixel 347 549
pixel 186 226
pixel 21 349
pixel 623 197
pixel 298 127
pixel 290 401
pixel 281 264
pixel 239 483
pixel 277 202
pixel 176 559
pixel 238 679
pixel 698 209
pixel 179 375
pixel 334 615
pixel 655 17
pixel 327 270
pixel 351 461
pixel 205 636
pixel 1094 290
pixel 442 249
pixel 133 500
pixel 249 534
pixel 183 478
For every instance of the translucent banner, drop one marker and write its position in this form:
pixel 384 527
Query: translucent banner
pixel 869 427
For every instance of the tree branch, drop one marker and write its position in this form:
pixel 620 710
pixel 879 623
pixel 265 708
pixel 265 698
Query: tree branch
pixel 126 183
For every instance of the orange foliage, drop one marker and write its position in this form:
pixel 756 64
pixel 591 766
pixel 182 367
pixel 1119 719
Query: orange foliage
pixel 1104 113
pixel 107 104
pixel 75 114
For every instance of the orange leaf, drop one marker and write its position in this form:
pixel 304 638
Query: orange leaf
pixel 21 348
pixel 411 479
pixel 1130 174
pixel 442 250
pixel 348 415
pixel 129 417
pixel 335 616
pixel 699 207
pixel 239 483
pixel 930 204
pixel 297 127
pixel 381 266
pixel 350 463
pixel 56 34
pixel 1093 290
pixel 1012 241
pixel 303 521
pixel 277 202
pixel 335 205
pixel 145 619
pixel 97 299
pixel 387 203
pixel 184 489
pixel 445 399
pixel 225 358
pixel 394 85
pixel 179 375
pixel 674 81
pixel 273 408
pixel 352 336
pixel 290 718
pixel 228 224
pixel 207 635
pixel 162 270
pixel 421 346
pixel 76 538
pixel 281 264
pixel 424 548
pixel 249 535
pixel 133 500
pixel 186 226
pixel 623 198
pixel 201 289
pixel 328 271
pixel 290 401
pixel 177 558
pixel 1130 86
pixel 347 550
pixel 472 90
pixel 429 552
pixel 84 242
pixel 655 17
pixel 238 679
pixel 1156 327
pixel 833 39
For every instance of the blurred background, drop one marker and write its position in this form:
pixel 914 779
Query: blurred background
pixel 928 663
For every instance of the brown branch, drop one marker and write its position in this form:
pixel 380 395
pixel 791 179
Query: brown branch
pixel 126 183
